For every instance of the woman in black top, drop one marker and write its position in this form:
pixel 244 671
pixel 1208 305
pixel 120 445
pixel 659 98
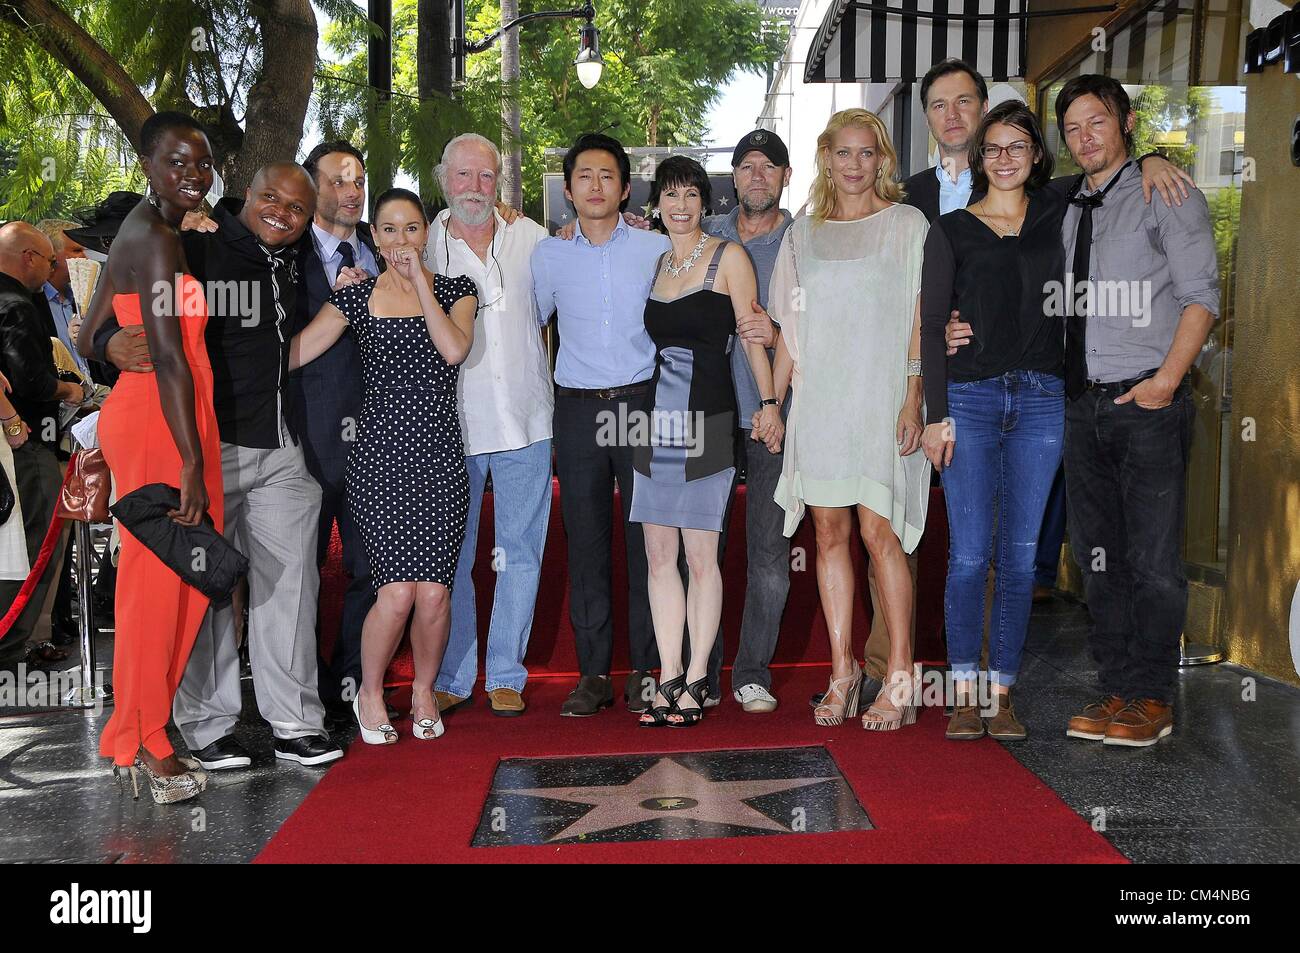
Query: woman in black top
pixel 995 411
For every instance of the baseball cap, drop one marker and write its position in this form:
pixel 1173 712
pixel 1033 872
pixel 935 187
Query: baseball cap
pixel 764 141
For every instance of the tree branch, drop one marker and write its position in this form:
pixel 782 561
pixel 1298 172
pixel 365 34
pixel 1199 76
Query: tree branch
pixel 48 25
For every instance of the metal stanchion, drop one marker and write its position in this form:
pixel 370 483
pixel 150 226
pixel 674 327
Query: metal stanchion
pixel 86 694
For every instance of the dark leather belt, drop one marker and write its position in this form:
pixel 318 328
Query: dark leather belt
pixel 1117 388
pixel 604 393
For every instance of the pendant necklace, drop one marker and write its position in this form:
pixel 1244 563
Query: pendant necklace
pixel 690 261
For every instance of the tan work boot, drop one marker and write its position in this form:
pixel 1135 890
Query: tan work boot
pixel 1004 725
pixel 506 702
pixel 965 723
pixel 1140 723
pixel 1091 723
pixel 447 701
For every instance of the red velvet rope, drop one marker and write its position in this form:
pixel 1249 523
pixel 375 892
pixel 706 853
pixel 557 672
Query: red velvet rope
pixel 38 568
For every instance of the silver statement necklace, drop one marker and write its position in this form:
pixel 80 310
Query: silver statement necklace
pixel 676 270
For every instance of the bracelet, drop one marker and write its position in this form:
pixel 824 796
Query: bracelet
pixel 5 420
pixel 914 368
pixel 769 402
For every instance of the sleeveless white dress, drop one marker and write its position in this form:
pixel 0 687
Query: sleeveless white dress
pixel 845 294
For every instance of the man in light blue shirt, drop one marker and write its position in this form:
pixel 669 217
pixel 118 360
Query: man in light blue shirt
pixel 598 285
pixel 58 290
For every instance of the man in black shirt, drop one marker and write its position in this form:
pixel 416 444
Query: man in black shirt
pixel 247 265
pixel 27 361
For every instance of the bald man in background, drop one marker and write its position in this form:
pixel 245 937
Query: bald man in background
pixel 27 261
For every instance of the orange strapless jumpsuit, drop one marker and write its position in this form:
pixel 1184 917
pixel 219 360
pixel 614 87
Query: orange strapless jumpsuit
pixel 157 615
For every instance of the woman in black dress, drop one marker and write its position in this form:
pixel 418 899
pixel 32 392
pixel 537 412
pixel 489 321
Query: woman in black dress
pixel 406 480
pixel 684 470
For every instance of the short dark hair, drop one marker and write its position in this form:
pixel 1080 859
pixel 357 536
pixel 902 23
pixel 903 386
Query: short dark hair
pixel 1011 113
pixel 312 162
pixel 948 67
pixel 160 123
pixel 681 172
pixel 1111 93
pixel 400 195
pixel 594 140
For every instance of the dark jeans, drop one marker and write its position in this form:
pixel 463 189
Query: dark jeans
pixel 37 479
pixel 1050 537
pixel 1008 450
pixel 1126 471
pixel 357 600
pixel 767 583
pixel 587 472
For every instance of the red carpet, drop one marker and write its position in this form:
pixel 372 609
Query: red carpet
pixel 803 629
pixel 931 801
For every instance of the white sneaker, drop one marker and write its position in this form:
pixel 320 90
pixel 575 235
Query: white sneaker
pixel 755 698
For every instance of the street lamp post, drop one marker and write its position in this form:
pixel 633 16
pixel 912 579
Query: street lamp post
pixel 588 64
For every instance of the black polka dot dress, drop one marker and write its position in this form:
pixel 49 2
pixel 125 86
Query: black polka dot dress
pixel 406 480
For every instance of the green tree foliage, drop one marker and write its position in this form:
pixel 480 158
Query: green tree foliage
pixel 665 64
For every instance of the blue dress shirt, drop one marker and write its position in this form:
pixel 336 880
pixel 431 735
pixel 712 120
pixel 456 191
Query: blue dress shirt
pixel 327 247
pixel 953 195
pixel 599 294
pixel 63 311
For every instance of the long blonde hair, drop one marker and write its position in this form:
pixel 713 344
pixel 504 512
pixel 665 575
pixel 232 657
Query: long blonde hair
pixel 821 197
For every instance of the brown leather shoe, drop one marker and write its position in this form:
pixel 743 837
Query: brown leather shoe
pixel 447 701
pixel 591 695
pixel 639 691
pixel 506 702
pixel 1004 725
pixel 1092 722
pixel 965 724
pixel 1140 724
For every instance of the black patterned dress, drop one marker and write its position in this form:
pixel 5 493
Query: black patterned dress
pixel 406 480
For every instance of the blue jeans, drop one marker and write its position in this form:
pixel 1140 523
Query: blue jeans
pixel 1009 435
pixel 521 508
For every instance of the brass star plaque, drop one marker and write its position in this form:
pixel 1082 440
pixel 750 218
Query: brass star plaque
pixel 679 796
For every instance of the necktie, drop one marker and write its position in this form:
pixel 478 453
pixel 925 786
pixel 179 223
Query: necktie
pixel 1076 322
pixel 349 256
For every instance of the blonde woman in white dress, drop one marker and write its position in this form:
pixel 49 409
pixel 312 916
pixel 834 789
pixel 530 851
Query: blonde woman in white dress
pixel 846 290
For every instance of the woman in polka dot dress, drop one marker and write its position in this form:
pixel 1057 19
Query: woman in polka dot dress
pixel 406 480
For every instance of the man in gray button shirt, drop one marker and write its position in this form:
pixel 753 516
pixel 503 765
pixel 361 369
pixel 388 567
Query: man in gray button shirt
pixel 1146 294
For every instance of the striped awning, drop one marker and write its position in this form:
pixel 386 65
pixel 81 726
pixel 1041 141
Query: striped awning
pixel 859 41
pixel 1153 47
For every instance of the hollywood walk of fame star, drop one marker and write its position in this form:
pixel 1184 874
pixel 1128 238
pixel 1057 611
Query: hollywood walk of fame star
pixel 669 788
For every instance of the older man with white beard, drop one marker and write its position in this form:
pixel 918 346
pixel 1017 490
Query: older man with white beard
pixel 506 404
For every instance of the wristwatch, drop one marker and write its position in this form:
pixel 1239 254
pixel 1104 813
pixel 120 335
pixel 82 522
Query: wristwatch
pixel 770 402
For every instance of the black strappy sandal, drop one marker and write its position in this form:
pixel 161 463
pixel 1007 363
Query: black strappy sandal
pixel 691 716
pixel 657 717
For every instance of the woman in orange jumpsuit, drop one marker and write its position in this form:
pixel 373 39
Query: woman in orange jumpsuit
pixel 158 427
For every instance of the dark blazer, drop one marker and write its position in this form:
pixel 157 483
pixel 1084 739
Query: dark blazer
pixel 27 358
pixel 923 193
pixel 322 394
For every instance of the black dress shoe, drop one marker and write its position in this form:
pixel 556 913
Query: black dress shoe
pixel 223 754
pixel 313 749
pixel 639 691
pixel 592 694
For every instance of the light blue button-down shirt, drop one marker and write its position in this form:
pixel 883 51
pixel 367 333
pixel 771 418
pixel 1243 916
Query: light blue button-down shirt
pixel 327 247
pixel 953 195
pixel 64 310
pixel 599 294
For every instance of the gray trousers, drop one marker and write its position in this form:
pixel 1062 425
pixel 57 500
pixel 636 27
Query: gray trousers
pixel 767 569
pixel 272 505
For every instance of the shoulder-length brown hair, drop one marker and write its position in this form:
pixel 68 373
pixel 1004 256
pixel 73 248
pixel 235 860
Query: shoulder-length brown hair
pixel 821 197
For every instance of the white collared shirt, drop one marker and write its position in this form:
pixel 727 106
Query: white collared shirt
pixel 505 397
pixel 327 248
